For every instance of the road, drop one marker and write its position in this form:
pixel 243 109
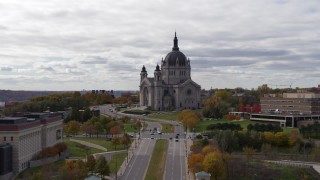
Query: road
pixel 176 157
pixel 139 164
pixel 175 164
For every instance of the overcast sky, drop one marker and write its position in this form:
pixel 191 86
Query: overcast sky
pixel 102 44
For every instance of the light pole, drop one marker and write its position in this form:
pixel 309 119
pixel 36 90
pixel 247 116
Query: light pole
pixel 116 168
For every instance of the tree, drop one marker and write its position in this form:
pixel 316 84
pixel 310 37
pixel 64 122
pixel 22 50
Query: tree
pixel 188 118
pixel 73 127
pixel 91 163
pixel 80 169
pixel 115 130
pixel 208 149
pixel 282 139
pixel 88 128
pixel 102 167
pixel 249 152
pixel 99 127
pixel 213 164
pixel 115 141
pixel 269 137
pixel 195 161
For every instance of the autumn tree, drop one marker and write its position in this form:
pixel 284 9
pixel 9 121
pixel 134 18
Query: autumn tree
pixel 213 164
pixel 188 118
pixel 249 151
pixel 88 128
pixel 195 162
pixel 72 127
pixel 102 167
pixel 115 130
pixel 115 141
pixel 80 170
pixel 282 139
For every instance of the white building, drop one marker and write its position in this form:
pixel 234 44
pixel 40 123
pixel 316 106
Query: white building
pixel 171 88
pixel 28 135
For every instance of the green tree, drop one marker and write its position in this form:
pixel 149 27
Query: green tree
pixel 91 163
pixel 102 167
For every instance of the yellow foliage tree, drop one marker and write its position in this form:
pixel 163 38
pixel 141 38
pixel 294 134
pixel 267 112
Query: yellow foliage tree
pixel 269 137
pixel 208 149
pixel 188 118
pixel 194 162
pixel 281 138
pixel 213 164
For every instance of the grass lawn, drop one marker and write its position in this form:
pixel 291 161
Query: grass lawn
pixel 167 128
pixel 172 116
pixel 292 173
pixel 202 125
pixel 102 142
pixel 50 170
pixel 116 159
pixel 75 149
pixel 158 160
pixel 288 130
pixel 129 127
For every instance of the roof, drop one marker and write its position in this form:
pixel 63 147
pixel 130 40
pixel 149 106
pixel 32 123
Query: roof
pixel 203 174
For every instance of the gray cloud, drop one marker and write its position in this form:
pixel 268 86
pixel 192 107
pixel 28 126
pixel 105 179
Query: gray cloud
pixel 107 42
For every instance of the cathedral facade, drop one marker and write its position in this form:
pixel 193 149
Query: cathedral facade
pixel 171 88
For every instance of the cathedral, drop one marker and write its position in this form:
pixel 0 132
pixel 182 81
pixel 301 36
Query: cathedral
pixel 171 88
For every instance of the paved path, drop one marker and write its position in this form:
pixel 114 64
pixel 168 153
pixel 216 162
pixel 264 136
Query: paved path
pixel 316 166
pixel 89 144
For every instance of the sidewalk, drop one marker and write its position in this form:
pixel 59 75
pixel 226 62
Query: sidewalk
pixel 189 175
pixel 89 144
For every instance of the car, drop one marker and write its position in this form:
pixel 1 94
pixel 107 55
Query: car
pixel 85 134
pixel 152 133
pixel 152 137
pixel 131 135
pixel 68 135
pixel 177 140
pixel 178 134
pixel 170 138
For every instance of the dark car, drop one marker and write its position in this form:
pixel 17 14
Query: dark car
pixel 177 140
pixel 170 138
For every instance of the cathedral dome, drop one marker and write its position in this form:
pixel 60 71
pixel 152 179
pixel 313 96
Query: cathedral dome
pixel 175 57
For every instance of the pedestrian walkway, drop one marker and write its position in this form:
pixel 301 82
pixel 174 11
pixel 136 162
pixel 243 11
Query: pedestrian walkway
pixel 314 165
pixel 189 174
pixel 89 144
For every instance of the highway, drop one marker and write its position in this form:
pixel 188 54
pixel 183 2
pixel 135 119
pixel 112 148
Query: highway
pixel 175 167
pixel 175 164
pixel 139 164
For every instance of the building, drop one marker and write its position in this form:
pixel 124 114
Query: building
pixel 28 135
pixel 290 109
pixel 291 103
pixel 171 88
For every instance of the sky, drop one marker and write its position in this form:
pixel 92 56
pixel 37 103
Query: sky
pixel 103 44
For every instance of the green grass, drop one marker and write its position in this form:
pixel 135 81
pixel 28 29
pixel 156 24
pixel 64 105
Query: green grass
pixel 288 130
pixel 54 169
pixel 116 159
pixel 158 160
pixel 75 149
pixel 129 127
pixel 292 173
pixel 202 125
pixel 102 142
pixel 167 128
pixel 172 116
